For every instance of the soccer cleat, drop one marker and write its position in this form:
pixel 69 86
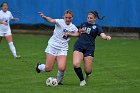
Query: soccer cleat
pixel 82 83
pixel 18 57
pixel 37 70
pixel 60 83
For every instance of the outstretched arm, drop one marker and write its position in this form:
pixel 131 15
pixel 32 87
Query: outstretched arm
pixel 72 33
pixel 15 19
pixel 48 19
pixel 104 36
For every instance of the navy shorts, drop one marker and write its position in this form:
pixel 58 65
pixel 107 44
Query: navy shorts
pixel 85 52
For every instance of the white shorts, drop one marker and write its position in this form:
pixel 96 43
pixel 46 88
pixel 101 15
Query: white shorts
pixel 3 34
pixel 56 52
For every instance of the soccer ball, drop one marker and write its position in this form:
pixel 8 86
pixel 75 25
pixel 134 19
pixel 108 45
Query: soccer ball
pixel 52 82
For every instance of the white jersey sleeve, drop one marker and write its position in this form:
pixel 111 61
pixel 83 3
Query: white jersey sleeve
pixel 74 28
pixel 59 22
pixel 11 16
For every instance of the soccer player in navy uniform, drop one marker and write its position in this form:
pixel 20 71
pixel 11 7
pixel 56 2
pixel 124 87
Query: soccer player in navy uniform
pixel 85 46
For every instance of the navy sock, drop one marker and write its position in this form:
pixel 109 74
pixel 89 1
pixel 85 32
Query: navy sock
pixel 88 73
pixel 79 73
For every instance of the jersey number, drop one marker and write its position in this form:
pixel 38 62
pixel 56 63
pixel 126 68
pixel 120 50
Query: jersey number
pixel 87 30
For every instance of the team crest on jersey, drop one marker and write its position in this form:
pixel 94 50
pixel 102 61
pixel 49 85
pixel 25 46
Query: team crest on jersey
pixel 65 30
pixel 94 27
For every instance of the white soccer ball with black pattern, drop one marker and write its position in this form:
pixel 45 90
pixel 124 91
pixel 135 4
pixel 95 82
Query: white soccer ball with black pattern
pixel 52 82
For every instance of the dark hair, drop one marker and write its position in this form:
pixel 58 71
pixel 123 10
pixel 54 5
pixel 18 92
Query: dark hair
pixel 97 15
pixel 68 12
pixel 3 3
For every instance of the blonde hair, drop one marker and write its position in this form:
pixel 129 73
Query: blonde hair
pixel 68 12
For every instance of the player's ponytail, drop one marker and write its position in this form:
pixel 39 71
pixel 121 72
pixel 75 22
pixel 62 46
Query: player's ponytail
pixel 97 15
pixel 3 4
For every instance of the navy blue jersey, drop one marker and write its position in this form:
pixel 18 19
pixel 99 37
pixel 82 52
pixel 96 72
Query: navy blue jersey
pixel 87 38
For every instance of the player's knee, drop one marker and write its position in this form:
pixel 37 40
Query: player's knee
pixel 62 69
pixel 76 65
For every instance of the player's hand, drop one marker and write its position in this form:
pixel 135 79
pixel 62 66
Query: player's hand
pixel 5 23
pixel 66 33
pixel 81 30
pixel 41 14
pixel 108 37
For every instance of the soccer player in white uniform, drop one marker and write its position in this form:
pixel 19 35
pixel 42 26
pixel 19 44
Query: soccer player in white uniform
pixel 58 44
pixel 5 31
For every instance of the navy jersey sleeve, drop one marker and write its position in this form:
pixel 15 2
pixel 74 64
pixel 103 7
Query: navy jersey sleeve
pixel 100 30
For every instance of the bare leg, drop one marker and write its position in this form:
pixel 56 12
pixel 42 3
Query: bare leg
pixel 88 66
pixel 9 38
pixel 50 59
pixel 62 59
pixel 77 59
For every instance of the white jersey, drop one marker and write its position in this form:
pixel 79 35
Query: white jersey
pixel 5 16
pixel 57 41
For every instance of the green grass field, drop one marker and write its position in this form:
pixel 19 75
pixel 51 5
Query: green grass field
pixel 116 68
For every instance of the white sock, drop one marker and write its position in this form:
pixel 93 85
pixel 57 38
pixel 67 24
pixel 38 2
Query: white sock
pixel 13 49
pixel 41 67
pixel 60 76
